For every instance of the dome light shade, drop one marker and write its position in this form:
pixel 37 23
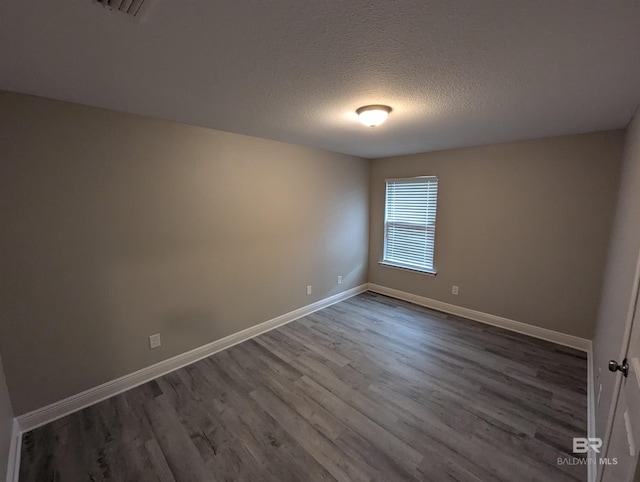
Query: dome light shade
pixel 373 115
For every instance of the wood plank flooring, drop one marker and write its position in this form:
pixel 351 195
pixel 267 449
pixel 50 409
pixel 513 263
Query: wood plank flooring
pixel 371 388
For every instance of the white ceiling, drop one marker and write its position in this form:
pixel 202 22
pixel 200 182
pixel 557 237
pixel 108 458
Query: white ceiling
pixel 456 73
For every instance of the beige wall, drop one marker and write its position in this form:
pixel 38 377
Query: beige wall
pixel 116 227
pixel 6 424
pixel 522 228
pixel 617 293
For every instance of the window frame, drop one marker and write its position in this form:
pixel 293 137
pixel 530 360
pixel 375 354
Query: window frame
pixel 398 264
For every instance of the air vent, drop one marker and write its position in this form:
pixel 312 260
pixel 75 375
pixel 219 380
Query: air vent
pixel 133 8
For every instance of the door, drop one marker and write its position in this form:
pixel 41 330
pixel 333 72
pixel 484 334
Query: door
pixel 624 443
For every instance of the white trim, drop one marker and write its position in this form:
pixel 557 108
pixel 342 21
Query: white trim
pixel 13 464
pixel 392 264
pixel 59 409
pixel 535 331
pixel 592 468
pixel 411 179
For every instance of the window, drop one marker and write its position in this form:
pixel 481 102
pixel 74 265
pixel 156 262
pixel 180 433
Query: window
pixel 410 223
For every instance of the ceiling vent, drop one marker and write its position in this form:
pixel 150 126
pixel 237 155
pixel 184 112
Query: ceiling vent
pixel 132 8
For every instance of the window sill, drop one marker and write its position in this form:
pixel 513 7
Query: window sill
pixel 406 268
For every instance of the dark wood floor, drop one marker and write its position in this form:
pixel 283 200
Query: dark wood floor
pixel 369 389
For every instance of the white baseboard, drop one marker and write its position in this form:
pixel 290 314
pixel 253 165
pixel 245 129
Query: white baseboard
pixel 59 409
pixel 13 464
pixel 592 468
pixel 535 331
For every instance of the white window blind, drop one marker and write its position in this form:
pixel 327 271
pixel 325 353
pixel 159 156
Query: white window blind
pixel 410 222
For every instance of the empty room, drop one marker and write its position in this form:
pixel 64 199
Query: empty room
pixel 319 240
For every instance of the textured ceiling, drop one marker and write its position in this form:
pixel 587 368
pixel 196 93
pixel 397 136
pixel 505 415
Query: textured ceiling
pixel 457 73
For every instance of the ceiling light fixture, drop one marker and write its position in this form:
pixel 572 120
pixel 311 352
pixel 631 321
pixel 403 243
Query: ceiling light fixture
pixel 373 115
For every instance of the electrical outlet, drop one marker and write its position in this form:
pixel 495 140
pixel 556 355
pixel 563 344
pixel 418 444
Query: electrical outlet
pixel 154 341
pixel 454 290
pixel 309 289
pixel 339 280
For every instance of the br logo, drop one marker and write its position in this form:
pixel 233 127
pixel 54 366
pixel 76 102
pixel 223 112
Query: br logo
pixel 582 445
